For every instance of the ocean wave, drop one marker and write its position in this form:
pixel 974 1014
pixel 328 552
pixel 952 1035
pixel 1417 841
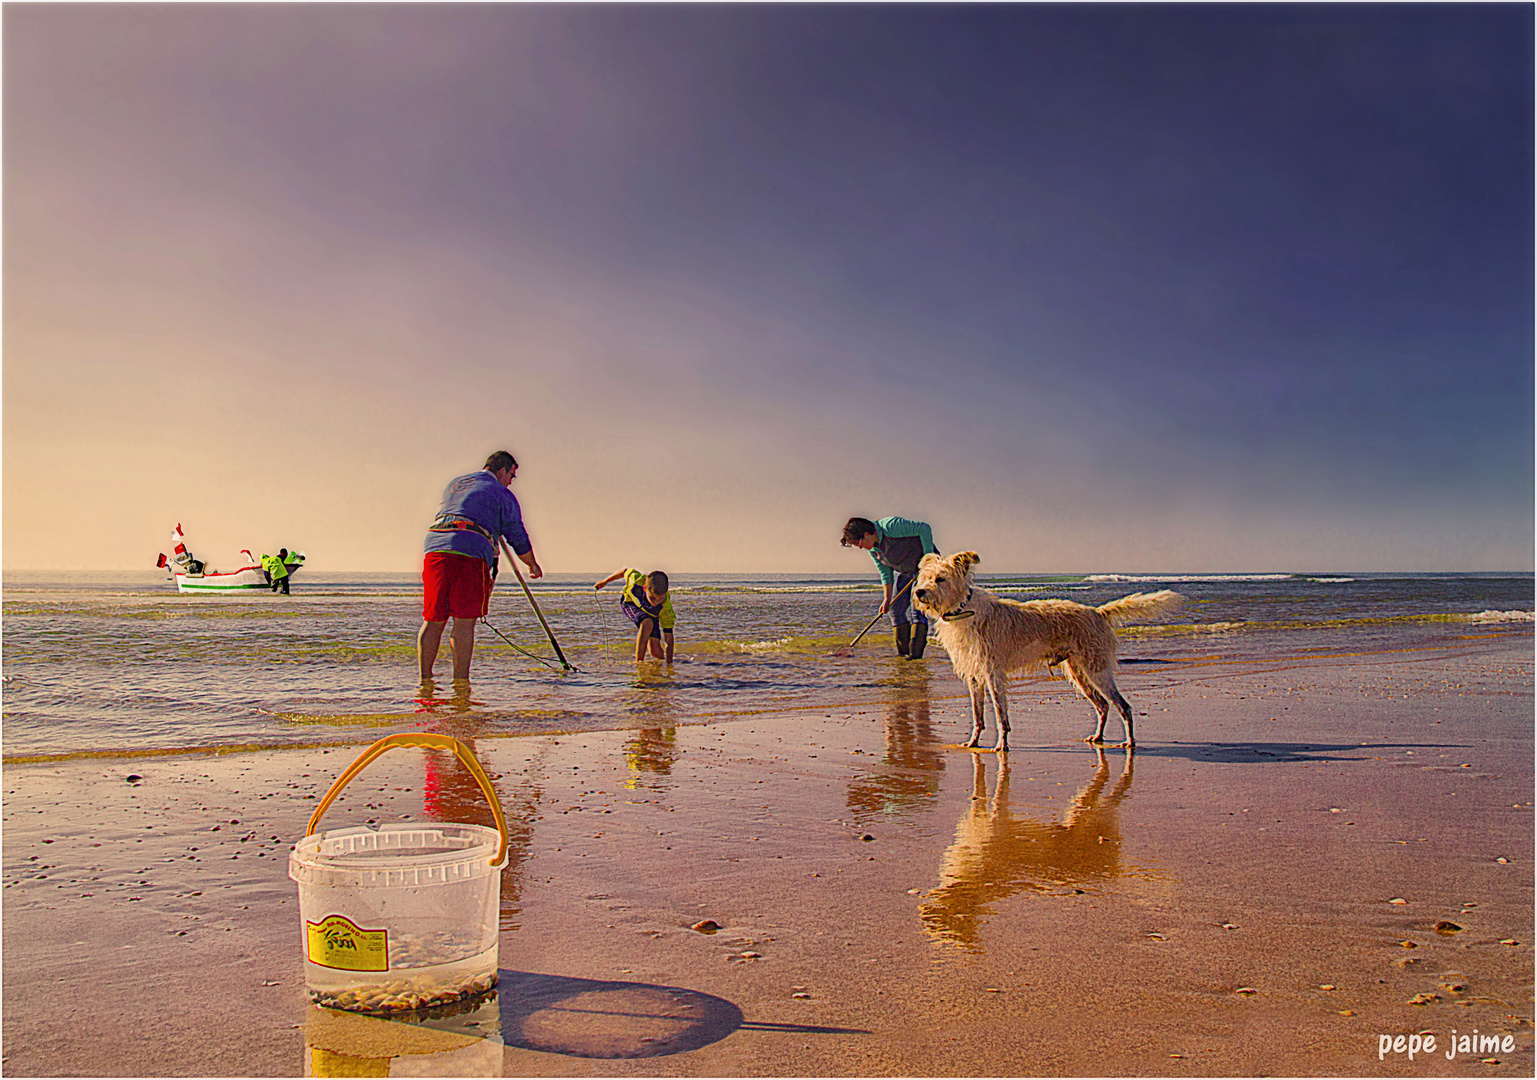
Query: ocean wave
pixel 1186 628
pixel 761 646
pixel 1330 580
pixel 1328 624
pixel 729 647
pixel 863 587
pixel 1118 579
pixel 1503 616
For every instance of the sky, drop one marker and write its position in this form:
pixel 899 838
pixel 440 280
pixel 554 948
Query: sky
pixel 1122 288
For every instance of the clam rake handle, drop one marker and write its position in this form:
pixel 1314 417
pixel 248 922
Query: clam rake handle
pixel 534 604
pixel 428 741
pixel 878 614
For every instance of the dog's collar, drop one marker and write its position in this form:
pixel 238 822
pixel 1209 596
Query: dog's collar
pixel 962 612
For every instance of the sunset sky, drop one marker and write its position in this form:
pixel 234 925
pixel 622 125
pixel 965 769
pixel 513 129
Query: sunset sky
pixel 1089 288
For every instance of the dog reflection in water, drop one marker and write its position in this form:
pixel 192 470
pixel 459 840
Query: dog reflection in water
pixel 996 854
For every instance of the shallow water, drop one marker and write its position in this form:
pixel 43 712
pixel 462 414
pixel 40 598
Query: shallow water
pixel 116 664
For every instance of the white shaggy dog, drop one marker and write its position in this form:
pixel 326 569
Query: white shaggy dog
pixel 987 637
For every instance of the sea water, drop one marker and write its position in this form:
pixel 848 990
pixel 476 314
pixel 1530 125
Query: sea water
pixel 121 664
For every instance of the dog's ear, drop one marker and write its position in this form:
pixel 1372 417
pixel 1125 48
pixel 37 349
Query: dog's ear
pixel 966 560
pixel 929 558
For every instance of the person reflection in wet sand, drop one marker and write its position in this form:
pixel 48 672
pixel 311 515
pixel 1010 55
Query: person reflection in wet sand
pixel 428 700
pixel 996 854
pixel 451 793
pixel 908 778
pixel 650 753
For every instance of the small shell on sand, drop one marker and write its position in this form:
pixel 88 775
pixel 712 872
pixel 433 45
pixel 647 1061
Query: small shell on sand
pixel 1398 900
pixel 1246 991
pixel 1424 999
pixel 706 926
pixel 1444 927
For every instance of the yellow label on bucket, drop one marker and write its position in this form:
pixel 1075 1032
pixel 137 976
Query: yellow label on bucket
pixel 338 942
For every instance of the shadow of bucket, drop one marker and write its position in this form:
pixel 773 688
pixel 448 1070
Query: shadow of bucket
pixel 592 1018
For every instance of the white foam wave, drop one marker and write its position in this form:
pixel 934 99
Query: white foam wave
pixel 1152 578
pixel 1503 616
pixel 760 646
pixel 808 588
pixel 1185 628
pixel 1331 580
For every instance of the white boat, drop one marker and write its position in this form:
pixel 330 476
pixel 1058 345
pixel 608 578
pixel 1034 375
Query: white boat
pixel 191 574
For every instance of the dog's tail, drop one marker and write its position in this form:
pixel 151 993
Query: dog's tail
pixel 1142 605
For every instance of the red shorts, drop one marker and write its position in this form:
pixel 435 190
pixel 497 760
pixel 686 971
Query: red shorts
pixel 454 584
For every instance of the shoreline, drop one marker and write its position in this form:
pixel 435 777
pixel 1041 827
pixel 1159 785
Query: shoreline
pixel 1055 910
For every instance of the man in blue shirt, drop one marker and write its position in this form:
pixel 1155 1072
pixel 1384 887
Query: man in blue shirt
pixel 460 559
pixel 896 545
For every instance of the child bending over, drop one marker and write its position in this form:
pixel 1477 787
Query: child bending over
pixel 646 602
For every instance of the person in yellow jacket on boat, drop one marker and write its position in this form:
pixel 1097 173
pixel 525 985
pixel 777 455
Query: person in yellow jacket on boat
pixel 276 569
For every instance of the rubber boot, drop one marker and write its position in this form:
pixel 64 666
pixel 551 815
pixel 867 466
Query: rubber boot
pixel 904 634
pixel 920 641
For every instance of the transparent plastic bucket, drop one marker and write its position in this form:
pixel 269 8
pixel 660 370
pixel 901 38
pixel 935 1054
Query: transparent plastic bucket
pixel 405 916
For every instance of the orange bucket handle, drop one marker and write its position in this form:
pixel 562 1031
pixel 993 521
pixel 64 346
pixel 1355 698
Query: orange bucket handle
pixel 428 741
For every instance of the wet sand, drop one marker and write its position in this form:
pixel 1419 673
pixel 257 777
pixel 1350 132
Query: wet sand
pixel 1218 903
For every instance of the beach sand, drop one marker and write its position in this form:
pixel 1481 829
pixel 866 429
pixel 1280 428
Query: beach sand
pixel 1222 902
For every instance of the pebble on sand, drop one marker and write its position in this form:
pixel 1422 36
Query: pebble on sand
pixel 706 926
pixel 1424 999
pixel 1444 927
pixel 1398 900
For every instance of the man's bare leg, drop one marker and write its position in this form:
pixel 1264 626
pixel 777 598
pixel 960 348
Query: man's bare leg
pixel 461 642
pixel 428 638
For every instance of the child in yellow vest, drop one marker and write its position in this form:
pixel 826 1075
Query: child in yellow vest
pixel 648 606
